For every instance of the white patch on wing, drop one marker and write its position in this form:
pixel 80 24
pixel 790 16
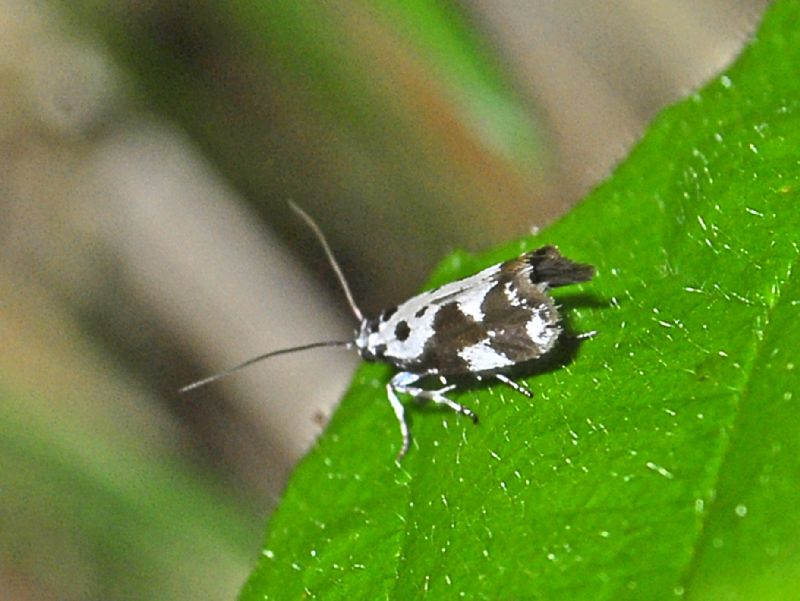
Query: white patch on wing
pixel 512 295
pixel 539 332
pixel 420 331
pixel 468 293
pixel 482 357
pixel 470 300
pixel 459 287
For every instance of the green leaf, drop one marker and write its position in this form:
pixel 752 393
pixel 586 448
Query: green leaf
pixel 663 459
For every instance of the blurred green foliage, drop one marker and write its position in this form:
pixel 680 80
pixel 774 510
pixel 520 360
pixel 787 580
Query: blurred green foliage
pixel 664 461
pixel 111 518
pixel 395 106
pixel 94 503
pixel 394 114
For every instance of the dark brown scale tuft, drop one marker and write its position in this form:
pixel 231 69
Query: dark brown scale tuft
pixel 551 267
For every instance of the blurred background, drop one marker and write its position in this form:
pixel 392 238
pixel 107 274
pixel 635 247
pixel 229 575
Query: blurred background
pixel 147 154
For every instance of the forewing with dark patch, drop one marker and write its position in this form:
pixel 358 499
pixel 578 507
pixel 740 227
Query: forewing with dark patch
pixel 520 319
pixel 453 330
pixel 496 318
pixel 516 321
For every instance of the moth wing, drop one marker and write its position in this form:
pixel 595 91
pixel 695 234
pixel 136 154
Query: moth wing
pixel 509 326
pixel 493 319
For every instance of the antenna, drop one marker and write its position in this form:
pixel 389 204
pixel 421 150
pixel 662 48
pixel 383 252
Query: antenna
pixel 328 253
pixel 340 343
pixel 249 362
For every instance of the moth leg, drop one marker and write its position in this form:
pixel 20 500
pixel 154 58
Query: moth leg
pixel 586 335
pixel 521 388
pixel 437 396
pixel 397 383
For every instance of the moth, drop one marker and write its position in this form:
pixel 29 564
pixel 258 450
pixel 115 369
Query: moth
pixel 480 326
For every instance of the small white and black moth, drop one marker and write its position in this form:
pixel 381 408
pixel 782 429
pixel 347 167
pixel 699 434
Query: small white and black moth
pixel 480 326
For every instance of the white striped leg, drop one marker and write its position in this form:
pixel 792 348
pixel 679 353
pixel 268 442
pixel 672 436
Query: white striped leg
pixel 437 396
pixel 402 383
pixel 521 388
pixel 400 413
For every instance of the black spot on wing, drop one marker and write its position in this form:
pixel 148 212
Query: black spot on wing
pixel 421 312
pixel 402 331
